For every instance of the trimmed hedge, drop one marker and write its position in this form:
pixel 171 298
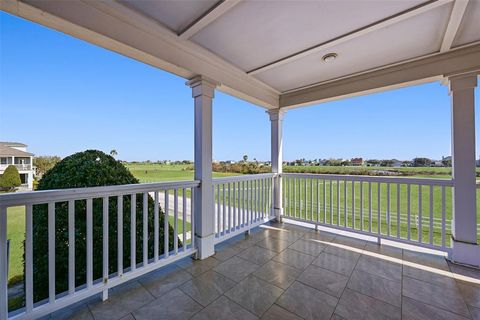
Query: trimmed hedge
pixel 90 168
pixel 10 179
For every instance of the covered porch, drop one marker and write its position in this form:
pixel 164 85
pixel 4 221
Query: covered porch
pixel 277 244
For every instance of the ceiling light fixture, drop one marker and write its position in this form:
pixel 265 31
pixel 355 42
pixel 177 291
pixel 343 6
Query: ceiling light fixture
pixel 329 57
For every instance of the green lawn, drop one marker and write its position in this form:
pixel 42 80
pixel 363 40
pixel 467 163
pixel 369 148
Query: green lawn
pixel 331 210
pixel 150 172
pixel 16 235
pixel 147 173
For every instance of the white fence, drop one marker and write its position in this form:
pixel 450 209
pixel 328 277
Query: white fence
pixel 148 248
pixel 407 210
pixel 242 203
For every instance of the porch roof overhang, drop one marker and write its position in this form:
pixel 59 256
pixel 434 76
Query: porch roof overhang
pixel 270 53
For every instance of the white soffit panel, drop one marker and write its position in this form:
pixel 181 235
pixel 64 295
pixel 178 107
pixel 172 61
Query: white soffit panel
pixel 255 33
pixel 175 14
pixel 411 38
pixel 469 30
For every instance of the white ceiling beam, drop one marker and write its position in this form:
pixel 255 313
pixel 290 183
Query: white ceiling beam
pixel 355 34
pixel 211 15
pixel 115 27
pixel 426 69
pixel 459 8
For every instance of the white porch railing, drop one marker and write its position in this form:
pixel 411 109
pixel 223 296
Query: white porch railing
pixel 242 203
pixel 21 167
pixel 169 196
pixel 408 210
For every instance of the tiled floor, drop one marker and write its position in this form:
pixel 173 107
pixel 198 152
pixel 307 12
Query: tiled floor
pixel 283 271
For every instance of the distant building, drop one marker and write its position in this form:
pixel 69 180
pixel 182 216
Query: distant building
pixel 397 163
pixel 15 153
pixel 356 162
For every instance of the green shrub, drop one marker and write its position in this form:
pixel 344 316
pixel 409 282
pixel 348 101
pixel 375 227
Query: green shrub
pixel 88 169
pixel 10 179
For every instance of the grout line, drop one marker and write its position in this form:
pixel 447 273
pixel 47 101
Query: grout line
pixel 343 291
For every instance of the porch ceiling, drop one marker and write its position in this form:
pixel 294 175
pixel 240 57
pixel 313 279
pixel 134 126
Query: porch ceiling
pixel 270 52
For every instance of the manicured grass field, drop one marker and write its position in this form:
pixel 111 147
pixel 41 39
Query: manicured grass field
pixel 148 173
pixel 16 235
pixel 326 202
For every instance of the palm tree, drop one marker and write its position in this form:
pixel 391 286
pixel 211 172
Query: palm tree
pixel 113 152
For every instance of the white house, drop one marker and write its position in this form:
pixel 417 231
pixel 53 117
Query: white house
pixel 16 153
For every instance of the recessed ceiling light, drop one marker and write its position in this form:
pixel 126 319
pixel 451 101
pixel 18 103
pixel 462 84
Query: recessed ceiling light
pixel 329 57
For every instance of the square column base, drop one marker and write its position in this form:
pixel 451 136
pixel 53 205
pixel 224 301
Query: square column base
pixel 465 253
pixel 278 213
pixel 205 246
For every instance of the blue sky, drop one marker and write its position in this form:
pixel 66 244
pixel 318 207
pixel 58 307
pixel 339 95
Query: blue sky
pixel 61 95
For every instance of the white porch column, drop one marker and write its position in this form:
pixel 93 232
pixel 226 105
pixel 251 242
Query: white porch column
pixel 464 227
pixel 276 120
pixel 204 211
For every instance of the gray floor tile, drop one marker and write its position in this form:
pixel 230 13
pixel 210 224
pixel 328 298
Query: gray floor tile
pixel 335 263
pixel 344 252
pixel 224 309
pixel 278 274
pixel 207 287
pixel 308 246
pixel 257 255
pixel 425 259
pixel 459 270
pixel 259 234
pixel 126 299
pixel 236 268
pixel 254 294
pixel 380 267
pixel 350 242
pixel 197 267
pixel 384 250
pixel 162 281
pixel 324 280
pixel 321 236
pixel 475 312
pixel 273 244
pixel 242 242
pixel 294 259
pixel 278 313
pixel 441 297
pixel 128 317
pixel 416 310
pixel 376 287
pixel 286 235
pixel 226 253
pixel 173 305
pixel 470 293
pixel 354 305
pixel 307 302
pixel 75 312
pixel 439 279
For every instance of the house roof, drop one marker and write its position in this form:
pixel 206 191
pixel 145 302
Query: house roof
pixel 271 53
pixel 13 144
pixel 7 150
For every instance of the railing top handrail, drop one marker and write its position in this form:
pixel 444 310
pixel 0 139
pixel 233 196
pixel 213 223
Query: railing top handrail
pixel 404 180
pixel 44 196
pixel 246 177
